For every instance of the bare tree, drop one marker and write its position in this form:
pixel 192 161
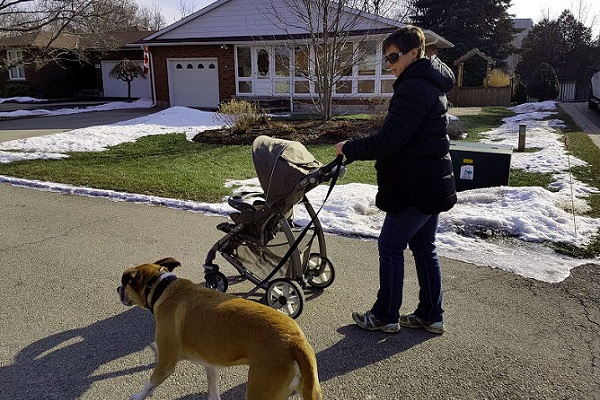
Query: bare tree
pixel 151 16
pixel 399 10
pixel 78 24
pixel 329 47
pixel 186 8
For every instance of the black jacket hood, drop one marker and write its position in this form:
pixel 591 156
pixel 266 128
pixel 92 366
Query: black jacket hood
pixel 432 69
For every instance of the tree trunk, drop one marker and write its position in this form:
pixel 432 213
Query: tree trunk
pixel 129 91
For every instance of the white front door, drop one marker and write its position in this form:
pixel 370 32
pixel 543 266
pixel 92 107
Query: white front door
pixel 263 79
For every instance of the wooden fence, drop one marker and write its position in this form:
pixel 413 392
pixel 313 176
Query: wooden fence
pixel 480 96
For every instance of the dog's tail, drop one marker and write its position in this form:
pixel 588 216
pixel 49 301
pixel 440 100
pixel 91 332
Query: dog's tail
pixel 307 362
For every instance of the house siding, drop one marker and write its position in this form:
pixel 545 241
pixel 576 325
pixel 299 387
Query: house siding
pixel 243 19
pixel 225 58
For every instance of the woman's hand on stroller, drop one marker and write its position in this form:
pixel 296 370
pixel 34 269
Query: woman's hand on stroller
pixel 336 166
pixel 338 148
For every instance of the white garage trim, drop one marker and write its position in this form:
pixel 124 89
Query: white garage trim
pixel 140 87
pixel 193 82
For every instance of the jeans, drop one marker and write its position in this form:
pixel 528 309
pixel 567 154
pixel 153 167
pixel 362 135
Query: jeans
pixel 416 230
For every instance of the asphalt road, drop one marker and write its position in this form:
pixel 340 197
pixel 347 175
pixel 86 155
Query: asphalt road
pixel 65 335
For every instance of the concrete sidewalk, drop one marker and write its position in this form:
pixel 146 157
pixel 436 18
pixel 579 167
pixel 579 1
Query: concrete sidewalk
pixel 66 336
pixel 587 119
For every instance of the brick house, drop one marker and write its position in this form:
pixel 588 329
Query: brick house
pixel 79 66
pixel 239 49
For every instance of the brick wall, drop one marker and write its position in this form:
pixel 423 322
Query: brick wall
pixel 225 60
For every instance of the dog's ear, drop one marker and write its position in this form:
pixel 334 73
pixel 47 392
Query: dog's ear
pixel 129 276
pixel 169 263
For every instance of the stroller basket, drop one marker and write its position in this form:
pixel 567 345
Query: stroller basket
pixel 262 242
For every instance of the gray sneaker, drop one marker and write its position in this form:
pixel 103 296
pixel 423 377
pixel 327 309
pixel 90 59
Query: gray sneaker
pixel 369 322
pixel 412 321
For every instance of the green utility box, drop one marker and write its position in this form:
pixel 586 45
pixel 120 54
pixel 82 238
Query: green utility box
pixel 479 165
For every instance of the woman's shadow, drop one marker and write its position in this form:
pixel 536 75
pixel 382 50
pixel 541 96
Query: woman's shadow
pixel 62 366
pixel 356 350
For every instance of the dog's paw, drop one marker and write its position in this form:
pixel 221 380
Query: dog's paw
pixel 147 392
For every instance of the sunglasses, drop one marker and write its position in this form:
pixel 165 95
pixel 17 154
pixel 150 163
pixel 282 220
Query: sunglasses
pixel 393 57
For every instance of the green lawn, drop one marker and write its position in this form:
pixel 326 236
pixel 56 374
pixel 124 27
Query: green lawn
pixel 171 166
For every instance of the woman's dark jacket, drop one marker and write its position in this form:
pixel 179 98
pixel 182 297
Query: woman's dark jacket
pixel 411 148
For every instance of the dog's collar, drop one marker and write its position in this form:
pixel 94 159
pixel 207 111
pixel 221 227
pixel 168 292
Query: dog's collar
pixel 163 281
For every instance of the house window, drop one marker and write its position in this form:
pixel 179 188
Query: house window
pixel 387 86
pixel 345 59
pixel 244 69
pixel 343 87
pixel 302 69
pixel 200 66
pixel 282 62
pixel 17 70
pixel 301 61
pixel 244 62
pixel 367 53
pixel 302 87
pixel 245 87
pixel 366 86
pixel 282 70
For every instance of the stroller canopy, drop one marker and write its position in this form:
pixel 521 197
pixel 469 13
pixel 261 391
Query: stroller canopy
pixel 280 165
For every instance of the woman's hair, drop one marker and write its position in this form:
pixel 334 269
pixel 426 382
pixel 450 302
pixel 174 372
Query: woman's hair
pixel 406 39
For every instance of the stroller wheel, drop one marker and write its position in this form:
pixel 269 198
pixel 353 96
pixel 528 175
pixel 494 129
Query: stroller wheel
pixel 285 295
pixel 216 280
pixel 320 271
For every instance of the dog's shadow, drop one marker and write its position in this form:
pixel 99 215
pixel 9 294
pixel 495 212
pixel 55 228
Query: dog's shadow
pixel 65 365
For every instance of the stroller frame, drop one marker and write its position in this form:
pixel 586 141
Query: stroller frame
pixel 283 293
pixel 256 224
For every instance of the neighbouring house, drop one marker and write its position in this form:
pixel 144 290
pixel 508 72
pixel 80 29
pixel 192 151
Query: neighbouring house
pixel 105 61
pixel 58 77
pixel 524 25
pixel 260 50
pixel 36 64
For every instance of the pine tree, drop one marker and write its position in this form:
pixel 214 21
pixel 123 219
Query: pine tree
pixel 468 24
pixel 565 44
pixel 543 84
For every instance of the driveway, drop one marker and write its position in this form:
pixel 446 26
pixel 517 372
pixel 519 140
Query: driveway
pixel 19 128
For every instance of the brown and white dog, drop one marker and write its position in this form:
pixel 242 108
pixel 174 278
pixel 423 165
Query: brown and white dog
pixel 219 330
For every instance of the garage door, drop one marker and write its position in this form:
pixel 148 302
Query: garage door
pixel 112 87
pixel 194 82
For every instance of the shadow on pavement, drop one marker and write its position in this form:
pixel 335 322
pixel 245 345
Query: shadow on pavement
pixel 360 348
pixel 64 365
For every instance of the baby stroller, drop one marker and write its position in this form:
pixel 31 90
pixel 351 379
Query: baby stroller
pixel 263 243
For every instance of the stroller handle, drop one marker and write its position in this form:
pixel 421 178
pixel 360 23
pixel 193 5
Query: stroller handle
pixel 327 171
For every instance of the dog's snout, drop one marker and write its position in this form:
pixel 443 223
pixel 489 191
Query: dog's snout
pixel 123 296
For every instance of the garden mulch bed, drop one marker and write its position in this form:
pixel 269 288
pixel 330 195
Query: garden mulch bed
pixel 303 131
